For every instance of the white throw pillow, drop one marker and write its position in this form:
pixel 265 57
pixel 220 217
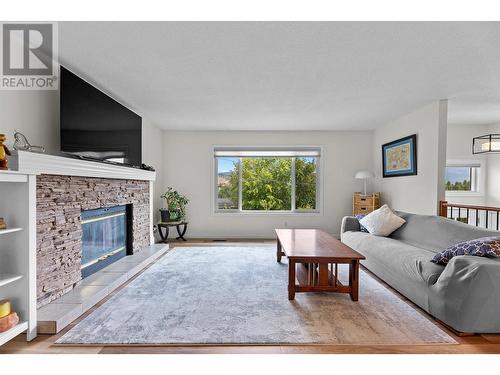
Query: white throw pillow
pixel 382 222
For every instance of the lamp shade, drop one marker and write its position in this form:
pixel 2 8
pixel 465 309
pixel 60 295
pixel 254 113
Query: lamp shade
pixel 364 174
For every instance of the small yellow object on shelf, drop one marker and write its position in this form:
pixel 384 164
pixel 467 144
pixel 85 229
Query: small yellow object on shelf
pixel 5 308
pixel 3 225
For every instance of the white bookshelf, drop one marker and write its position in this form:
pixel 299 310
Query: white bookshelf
pixel 13 332
pixel 6 278
pixel 18 250
pixel 10 230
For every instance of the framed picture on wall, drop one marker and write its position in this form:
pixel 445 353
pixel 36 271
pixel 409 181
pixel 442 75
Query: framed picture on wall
pixel 399 157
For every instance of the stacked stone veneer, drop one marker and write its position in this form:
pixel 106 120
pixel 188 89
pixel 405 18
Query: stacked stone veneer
pixel 60 200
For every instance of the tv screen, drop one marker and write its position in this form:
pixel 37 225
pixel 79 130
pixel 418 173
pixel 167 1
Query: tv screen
pixel 95 126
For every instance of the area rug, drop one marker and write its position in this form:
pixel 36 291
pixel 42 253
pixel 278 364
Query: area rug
pixel 238 295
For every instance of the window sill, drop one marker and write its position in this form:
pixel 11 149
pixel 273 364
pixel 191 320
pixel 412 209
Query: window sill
pixel 463 194
pixel 268 213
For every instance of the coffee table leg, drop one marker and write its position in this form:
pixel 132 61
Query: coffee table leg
pixel 354 279
pixel 291 279
pixel 278 251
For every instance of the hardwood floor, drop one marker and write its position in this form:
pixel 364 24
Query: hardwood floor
pixel 44 344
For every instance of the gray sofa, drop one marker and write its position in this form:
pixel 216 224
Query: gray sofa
pixel 464 295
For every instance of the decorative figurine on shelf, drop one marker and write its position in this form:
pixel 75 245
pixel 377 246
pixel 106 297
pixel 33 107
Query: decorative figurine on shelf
pixel 21 143
pixel 3 224
pixel 8 318
pixel 4 151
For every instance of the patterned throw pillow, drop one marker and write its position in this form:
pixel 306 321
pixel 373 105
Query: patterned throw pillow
pixel 482 247
pixel 362 228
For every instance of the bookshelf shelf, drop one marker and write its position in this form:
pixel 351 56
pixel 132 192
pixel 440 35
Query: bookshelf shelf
pixel 13 332
pixel 10 230
pixel 6 279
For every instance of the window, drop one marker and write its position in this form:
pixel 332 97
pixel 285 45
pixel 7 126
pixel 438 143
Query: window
pixel 267 180
pixel 462 178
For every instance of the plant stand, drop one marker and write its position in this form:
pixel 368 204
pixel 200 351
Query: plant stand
pixel 177 225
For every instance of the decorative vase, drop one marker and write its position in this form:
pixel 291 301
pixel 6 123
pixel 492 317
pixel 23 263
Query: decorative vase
pixel 169 216
pixel 165 215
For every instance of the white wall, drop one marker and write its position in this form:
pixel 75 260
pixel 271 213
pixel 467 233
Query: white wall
pixel 188 167
pixel 459 148
pixel 420 193
pixel 152 154
pixel 493 173
pixel 36 115
pixel 33 113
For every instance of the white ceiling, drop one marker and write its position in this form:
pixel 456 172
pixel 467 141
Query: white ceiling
pixel 288 75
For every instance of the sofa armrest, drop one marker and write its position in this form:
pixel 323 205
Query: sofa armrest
pixel 467 294
pixel 349 224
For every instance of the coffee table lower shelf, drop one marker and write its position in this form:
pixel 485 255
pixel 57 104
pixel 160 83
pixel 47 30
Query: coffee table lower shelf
pixel 321 277
pixel 319 274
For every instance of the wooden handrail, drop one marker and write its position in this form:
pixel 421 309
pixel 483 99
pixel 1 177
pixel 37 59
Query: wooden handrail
pixel 445 205
pixel 443 208
pixel 476 219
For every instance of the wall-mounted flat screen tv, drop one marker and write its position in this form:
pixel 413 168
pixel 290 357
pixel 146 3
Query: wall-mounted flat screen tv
pixel 95 126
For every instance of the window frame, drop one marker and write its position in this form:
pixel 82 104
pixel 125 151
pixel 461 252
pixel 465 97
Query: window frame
pixel 294 211
pixel 477 178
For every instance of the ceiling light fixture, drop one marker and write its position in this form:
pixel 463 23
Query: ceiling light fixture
pixel 486 143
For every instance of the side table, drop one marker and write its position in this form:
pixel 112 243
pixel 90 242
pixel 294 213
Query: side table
pixel 177 225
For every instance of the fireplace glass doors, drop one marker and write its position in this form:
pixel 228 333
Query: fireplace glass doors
pixel 105 233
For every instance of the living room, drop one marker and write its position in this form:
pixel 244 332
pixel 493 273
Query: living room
pixel 249 187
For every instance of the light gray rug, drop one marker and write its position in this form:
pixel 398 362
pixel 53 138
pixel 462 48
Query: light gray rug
pixel 238 295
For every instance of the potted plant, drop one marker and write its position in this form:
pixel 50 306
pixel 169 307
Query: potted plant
pixel 175 206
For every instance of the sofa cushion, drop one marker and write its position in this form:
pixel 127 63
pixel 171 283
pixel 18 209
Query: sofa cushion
pixel 382 221
pixel 488 247
pixel 401 265
pixel 435 233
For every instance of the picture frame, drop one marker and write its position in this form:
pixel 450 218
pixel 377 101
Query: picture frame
pixel 399 157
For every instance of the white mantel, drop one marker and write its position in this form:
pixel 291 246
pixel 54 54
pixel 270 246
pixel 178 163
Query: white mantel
pixel 32 163
pixel 37 163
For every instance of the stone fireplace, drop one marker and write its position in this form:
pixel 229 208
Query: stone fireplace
pixel 60 203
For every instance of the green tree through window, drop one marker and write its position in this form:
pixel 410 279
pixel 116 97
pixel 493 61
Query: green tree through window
pixel 266 183
pixel 305 183
pixel 459 178
pixel 458 186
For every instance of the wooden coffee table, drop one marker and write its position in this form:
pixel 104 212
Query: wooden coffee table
pixel 313 258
